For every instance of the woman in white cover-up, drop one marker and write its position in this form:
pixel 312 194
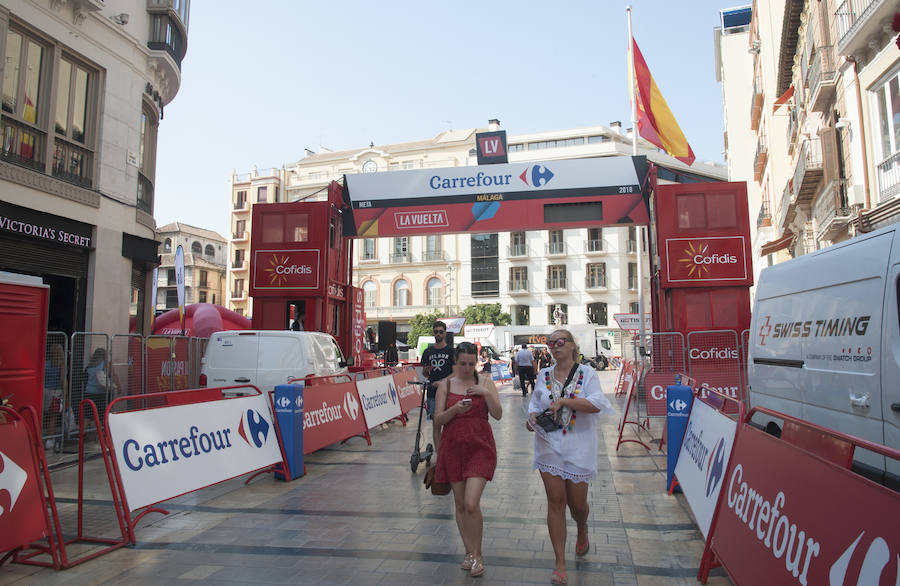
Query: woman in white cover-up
pixel 567 457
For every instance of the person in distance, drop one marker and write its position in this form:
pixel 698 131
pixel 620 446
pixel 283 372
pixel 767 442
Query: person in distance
pixel 569 399
pixel 468 455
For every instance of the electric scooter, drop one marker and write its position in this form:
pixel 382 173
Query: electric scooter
pixel 426 454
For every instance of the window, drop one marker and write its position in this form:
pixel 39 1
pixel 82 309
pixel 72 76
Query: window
pixel 196 248
pixel 556 277
pixel 597 313
pixel 238 258
pixel 400 250
pixel 595 239
pixel 888 100
pixel 262 194
pixel 72 161
pixel 204 278
pixel 433 291
pixel 296 227
pixel 167 246
pixel 515 148
pixel 552 144
pixel 517 246
pixel 210 251
pixel 518 279
pixel 596 275
pixel 23 95
pixel 367 251
pixel 632 239
pixel 165 35
pixel 238 288
pixel 401 292
pixel 485 273
pixel 170 277
pixel 598 139
pixel 556 244
pixel 521 315
pixel 369 292
pixel 240 227
pixel 202 297
pixel 240 201
pixel 632 275
pixel 634 307
pixel 239 310
pixel 147 158
pixel 558 313
pixel 171 298
pixel 433 248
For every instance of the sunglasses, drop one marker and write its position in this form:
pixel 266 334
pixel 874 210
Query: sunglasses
pixel 557 343
pixel 440 332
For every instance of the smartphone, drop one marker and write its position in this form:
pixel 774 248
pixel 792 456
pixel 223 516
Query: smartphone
pixel 466 401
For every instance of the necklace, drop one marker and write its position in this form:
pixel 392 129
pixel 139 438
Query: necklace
pixel 576 390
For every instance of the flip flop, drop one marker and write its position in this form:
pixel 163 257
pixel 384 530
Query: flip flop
pixel 477 568
pixel 582 547
pixel 559 578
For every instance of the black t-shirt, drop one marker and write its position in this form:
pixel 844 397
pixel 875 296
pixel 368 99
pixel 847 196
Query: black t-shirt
pixel 441 361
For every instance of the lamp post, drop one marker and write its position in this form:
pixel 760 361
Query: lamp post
pixel 449 288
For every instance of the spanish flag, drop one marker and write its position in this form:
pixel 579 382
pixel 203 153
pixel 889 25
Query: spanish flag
pixel 655 121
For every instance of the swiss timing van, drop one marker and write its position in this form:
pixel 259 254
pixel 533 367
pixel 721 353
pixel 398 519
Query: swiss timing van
pixel 265 358
pixel 825 343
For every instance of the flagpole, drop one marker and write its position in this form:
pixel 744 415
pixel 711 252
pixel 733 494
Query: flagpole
pixel 634 152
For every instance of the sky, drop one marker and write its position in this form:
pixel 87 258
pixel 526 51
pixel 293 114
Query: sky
pixel 262 81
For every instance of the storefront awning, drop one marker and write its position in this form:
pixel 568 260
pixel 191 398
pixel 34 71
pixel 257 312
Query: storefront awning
pixel 776 245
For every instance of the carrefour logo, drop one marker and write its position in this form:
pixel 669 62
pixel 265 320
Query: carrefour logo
pixel 715 468
pixel 194 443
pixel 351 406
pixel 254 425
pixel 393 393
pixel 538 174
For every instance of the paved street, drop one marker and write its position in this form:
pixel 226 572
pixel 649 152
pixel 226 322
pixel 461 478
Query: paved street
pixel 360 517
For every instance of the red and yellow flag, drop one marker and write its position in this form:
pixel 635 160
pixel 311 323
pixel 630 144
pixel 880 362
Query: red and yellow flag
pixel 655 121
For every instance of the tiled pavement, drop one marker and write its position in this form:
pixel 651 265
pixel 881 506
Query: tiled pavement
pixel 360 517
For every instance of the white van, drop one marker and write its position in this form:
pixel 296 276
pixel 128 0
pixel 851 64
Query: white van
pixel 265 358
pixel 825 343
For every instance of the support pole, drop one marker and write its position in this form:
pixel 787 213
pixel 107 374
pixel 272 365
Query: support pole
pixel 634 151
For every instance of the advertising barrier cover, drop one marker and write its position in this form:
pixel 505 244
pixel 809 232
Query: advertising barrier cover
pixel 168 451
pixel 332 413
pixel 379 399
pixel 21 507
pixel 703 459
pixel 410 394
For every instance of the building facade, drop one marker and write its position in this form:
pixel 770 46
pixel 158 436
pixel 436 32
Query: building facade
pixel 84 87
pixel 205 256
pixel 584 276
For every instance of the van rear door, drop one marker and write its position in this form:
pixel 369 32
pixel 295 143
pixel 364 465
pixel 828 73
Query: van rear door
pixel 231 358
pixel 890 366
pixel 281 358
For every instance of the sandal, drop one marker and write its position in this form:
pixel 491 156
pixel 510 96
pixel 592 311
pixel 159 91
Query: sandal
pixel 582 547
pixel 559 578
pixel 477 568
pixel 468 562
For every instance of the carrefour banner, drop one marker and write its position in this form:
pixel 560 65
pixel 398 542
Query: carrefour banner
pixel 165 452
pixel 379 399
pixel 513 196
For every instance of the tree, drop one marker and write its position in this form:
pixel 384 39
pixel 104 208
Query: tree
pixel 486 313
pixel 420 325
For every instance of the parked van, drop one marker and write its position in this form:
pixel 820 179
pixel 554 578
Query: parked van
pixel 265 358
pixel 825 343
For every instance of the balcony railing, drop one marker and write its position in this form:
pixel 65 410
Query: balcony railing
pixel 518 250
pixel 822 79
pixel 239 265
pixel 240 205
pixel 756 103
pixel 831 210
pixel 594 282
pixel 557 284
pixel 765 215
pixel 72 163
pixel 144 194
pixel 808 172
pixel 595 245
pixel 889 178
pixel 631 246
pixel 632 283
pixel 434 255
pixel 517 286
pixel 555 248
pixel 793 126
pixel 235 295
pixel 239 235
pixel 22 145
pixel 401 258
pixel 761 158
pixel 850 14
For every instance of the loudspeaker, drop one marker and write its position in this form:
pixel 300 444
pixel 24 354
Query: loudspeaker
pixel 387 334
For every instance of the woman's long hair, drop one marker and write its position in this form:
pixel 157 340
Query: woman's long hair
pixel 467 348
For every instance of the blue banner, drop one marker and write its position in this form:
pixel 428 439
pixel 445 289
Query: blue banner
pixel 289 411
pixel 678 407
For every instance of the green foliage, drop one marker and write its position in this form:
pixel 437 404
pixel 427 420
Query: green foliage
pixel 486 313
pixel 420 325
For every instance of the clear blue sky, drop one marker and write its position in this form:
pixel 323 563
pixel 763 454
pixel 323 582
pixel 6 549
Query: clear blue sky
pixel 264 80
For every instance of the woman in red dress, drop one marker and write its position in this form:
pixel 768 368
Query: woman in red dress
pixel 467 455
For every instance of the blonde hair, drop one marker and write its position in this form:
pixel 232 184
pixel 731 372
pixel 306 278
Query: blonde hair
pixel 576 353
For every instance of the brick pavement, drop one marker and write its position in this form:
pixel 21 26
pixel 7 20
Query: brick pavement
pixel 360 517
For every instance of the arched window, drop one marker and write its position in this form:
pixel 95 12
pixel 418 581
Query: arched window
pixel 196 248
pixel 401 292
pixel 369 292
pixel 167 245
pixel 433 290
pixel 210 251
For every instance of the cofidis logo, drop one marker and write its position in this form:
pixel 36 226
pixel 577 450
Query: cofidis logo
pixel 286 269
pixel 706 259
pixel 698 259
pixel 280 269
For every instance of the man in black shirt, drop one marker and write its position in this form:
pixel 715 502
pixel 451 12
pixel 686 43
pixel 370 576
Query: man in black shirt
pixel 437 361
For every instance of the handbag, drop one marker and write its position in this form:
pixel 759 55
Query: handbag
pixel 437 488
pixel 547 420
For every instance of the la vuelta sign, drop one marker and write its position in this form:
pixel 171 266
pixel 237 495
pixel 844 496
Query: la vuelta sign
pixel 286 269
pixel 707 261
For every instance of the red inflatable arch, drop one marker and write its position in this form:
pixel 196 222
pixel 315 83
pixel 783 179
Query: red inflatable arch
pixel 200 320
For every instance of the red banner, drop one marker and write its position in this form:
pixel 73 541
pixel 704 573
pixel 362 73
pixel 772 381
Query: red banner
pixel 410 395
pixel 789 517
pixel 705 260
pixel 331 413
pixel 655 384
pixel 21 508
pixel 286 269
pixel 162 368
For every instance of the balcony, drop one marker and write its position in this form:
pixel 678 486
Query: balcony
pixel 144 194
pixel 435 255
pixel 756 103
pixel 240 236
pixel 632 283
pixel 889 178
pixel 555 248
pixel 22 145
pixel 517 287
pixel 595 246
pixel 860 22
pixel 793 127
pixel 517 251
pixel 401 258
pixel 786 208
pixel 241 206
pixel 556 284
pixel 631 246
pixel 822 79
pixel 831 210
pixel 761 158
pixel 239 266
pixel 594 282
pixel 73 164
pixel 405 312
pixel 238 295
pixel 808 172
pixel 764 219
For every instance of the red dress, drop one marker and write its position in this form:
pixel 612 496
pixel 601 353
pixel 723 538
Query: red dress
pixel 467 448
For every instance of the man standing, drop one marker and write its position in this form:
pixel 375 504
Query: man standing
pixel 437 361
pixel 526 367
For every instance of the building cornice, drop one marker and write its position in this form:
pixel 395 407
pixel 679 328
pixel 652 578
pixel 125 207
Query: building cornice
pixel 48 184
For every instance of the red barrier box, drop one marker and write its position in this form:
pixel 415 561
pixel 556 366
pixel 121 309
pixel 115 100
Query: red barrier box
pixel 21 506
pixel 789 517
pixel 410 394
pixel 331 413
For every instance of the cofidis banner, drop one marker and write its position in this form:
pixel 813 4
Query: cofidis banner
pixel 162 453
pixel 703 460
pixel 379 399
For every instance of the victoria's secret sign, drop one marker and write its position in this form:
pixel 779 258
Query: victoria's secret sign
pixel 286 269
pixel 46 227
